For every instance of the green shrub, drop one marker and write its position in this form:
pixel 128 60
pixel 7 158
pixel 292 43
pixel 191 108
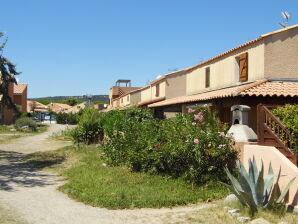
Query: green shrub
pixel 191 145
pixel 288 115
pixel 89 129
pixel 23 122
pixel 67 118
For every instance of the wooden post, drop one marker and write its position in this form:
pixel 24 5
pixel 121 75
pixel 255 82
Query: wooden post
pixel 260 124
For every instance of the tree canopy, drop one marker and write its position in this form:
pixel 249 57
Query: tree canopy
pixel 7 77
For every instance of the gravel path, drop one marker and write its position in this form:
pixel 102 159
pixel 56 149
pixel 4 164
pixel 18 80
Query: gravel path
pixel 32 195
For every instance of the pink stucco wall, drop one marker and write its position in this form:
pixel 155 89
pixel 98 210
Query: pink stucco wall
pixel 267 154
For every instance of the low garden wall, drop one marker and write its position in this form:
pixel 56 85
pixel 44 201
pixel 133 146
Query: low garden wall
pixel 271 154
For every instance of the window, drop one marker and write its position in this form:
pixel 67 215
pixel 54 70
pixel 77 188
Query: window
pixel 157 90
pixel 243 67
pixel 121 100
pixel 127 98
pixel 207 77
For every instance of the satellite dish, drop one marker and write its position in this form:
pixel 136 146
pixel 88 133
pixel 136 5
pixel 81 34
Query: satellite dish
pixel 17 79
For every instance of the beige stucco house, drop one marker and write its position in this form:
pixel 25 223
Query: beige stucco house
pixel 119 95
pixel 260 72
pixel 231 77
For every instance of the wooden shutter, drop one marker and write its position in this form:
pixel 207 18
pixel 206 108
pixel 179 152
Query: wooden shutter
pixel 157 90
pixel 207 77
pixel 243 67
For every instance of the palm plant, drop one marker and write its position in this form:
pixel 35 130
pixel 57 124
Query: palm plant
pixel 255 191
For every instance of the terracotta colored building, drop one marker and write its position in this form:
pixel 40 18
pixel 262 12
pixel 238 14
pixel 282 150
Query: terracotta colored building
pixel 20 96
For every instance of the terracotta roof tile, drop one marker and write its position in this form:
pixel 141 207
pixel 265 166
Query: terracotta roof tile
pixel 18 89
pixel 221 93
pixel 58 107
pixel 259 88
pixel 273 89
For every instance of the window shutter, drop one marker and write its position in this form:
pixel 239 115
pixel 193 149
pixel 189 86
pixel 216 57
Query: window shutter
pixel 207 77
pixel 157 90
pixel 243 67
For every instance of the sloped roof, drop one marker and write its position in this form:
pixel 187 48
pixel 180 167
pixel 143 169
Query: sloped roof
pixel 151 101
pixel 126 90
pixel 221 93
pixel 18 89
pixel 76 108
pixel 36 106
pixel 283 89
pixel 58 107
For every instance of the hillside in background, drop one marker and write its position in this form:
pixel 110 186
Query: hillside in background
pixel 95 99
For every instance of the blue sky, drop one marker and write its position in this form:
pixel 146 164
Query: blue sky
pixel 76 47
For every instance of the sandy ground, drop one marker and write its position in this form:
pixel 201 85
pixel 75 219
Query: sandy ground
pixel 32 194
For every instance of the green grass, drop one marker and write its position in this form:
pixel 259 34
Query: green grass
pixel 92 182
pixel 45 159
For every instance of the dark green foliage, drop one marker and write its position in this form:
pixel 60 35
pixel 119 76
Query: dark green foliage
pixel 95 99
pixel 43 101
pixel 70 101
pixel 66 118
pixel 89 129
pixel 25 122
pixel 7 78
pixel 182 146
pixel 288 115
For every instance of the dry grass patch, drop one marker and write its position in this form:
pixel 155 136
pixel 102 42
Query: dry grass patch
pixel 8 217
pixel 219 214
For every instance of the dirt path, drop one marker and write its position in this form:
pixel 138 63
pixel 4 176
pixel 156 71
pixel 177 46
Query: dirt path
pixel 32 195
pixel 36 143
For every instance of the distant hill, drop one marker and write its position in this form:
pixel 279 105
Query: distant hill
pixel 95 98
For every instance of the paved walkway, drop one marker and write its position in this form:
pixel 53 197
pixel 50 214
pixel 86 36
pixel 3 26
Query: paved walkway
pixel 32 194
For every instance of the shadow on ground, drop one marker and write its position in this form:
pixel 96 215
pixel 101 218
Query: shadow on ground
pixel 14 171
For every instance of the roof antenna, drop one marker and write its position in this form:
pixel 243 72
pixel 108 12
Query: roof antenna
pixel 286 16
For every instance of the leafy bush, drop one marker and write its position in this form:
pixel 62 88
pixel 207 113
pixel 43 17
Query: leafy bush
pixel 191 145
pixel 288 115
pixel 254 191
pixel 23 122
pixel 89 129
pixel 67 118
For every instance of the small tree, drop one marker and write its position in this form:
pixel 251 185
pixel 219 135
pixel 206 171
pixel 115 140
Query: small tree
pixel 7 77
pixel 72 101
